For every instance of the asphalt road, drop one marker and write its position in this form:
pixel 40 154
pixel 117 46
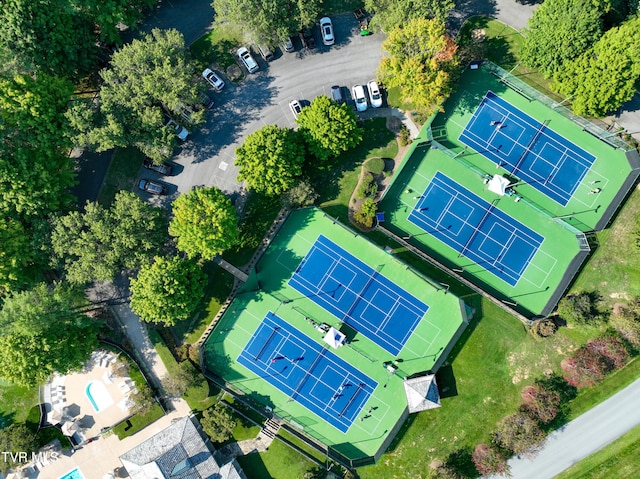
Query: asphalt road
pixel 207 157
pixel 583 436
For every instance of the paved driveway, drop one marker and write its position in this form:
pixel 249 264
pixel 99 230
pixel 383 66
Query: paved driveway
pixel 207 158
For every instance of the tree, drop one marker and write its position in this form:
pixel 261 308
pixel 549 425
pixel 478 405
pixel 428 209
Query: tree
pixel 168 290
pixel 561 31
pixel 42 331
pixel 218 423
pixel 300 195
pixel 540 402
pixel 543 328
pixel 181 378
pixel 579 308
pixel 489 460
pixel 204 223
pixel 141 400
pixel 48 36
pixel 149 80
pixel 16 256
pixel 611 348
pixel 99 243
pixel 328 128
pixel 519 433
pixel 626 322
pixel 390 14
pixel 270 159
pixel 268 21
pixel 366 213
pixel 421 61
pixel 603 78
pixel 584 368
pixel 15 438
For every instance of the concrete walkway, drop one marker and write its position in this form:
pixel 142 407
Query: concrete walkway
pixel 583 436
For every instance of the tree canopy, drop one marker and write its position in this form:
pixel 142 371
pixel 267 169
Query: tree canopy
pixel 148 81
pixel 15 437
pixel 328 128
pixel 168 290
pixel 605 77
pixel 204 223
pixel 42 331
pixel 421 61
pixel 519 433
pixel 270 159
pixel 560 31
pixel 268 21
pixel 218 423
pixel 99 243
pixel 390 14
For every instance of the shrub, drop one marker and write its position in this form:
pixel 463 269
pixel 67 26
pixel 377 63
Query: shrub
pixel 610 348
pixel 375 165
pixel 519 433
pixel 302 194
pixel 579 308
pixel 627 325
pixel 367 212
pixel 585 368
pixel 368 186
pixel 404 137
pixel 543 328
pixel 489 460
pixel 540 402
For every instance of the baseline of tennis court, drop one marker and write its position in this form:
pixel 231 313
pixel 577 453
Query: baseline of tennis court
pixel 526 148
pixel 358 295
pixel 475 228
pixel 307 372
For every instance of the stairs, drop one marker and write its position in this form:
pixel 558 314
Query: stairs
pixel 270 428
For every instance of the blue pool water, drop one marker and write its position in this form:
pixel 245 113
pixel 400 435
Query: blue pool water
pixel 75 474
pixel 93 403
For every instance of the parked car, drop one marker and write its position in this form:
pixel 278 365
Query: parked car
pixel 374 94
pixel 152 187
pixel 214 79
pixel 247 60
pixel 296 107
pixel 206 101
pixel 336 94
pixel 164 168
pixel 306 36
pixel 326 27
pixel 265 53
pixel 181 131
pixel 287 45
pixel 359 97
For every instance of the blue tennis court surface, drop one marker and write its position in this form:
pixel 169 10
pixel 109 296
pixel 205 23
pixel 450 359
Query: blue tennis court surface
pixel 358 295
pixel 475 228
pixel 307 372
pixel 526 148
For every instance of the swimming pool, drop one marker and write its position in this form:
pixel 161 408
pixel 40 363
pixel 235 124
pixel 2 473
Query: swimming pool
pixel 98 395
pixel 75 474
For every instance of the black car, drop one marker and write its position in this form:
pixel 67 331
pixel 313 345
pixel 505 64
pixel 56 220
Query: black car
pixel 164 168
pixel 152 187
pixel 306 36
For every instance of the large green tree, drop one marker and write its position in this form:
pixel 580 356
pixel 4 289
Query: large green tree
pixel 270 159
pixel 218 423
pixel 16 256
pixel 560 31
pixel 421 61
pixel 328 128
pixel 268 21
pixel 390 14
pixel 168 290
pixel 15 438
pixel 43 331
pixel 605 77
pixel 204 223
pixel 148 80
pixel 98 243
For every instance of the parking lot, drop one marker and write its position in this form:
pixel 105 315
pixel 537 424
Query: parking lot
pixel 207 157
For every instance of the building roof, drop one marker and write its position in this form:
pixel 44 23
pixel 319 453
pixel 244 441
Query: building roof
pixel 422 393
pixel 176 452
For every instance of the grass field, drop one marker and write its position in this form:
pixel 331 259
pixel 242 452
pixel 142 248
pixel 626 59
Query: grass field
pixel 15 403
pixel 618 460
pixel 279 462
pixel 215 48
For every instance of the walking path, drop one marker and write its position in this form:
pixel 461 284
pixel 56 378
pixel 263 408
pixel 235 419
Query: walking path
pixel 583 436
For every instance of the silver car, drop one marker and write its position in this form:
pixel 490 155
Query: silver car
pixel 360 98
pixel 214 79
pixel 247 60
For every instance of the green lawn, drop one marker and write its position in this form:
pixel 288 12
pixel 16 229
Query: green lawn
pixel 618 460
pixel 278 462
pixel 216 47
pixel 122 173
pixel 15 403
pixel 137 422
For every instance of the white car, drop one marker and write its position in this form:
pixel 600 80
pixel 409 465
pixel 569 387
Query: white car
pixel 326 27
pixel 181 131
pixel 296 107
pixel 374 94
pixel 214 79
pixel 248 60
pixel 359 97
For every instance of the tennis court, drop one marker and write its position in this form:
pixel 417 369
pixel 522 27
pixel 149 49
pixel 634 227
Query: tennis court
pixel 358 295
pixel 475 228
pixel 307 372
pixel 526 148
